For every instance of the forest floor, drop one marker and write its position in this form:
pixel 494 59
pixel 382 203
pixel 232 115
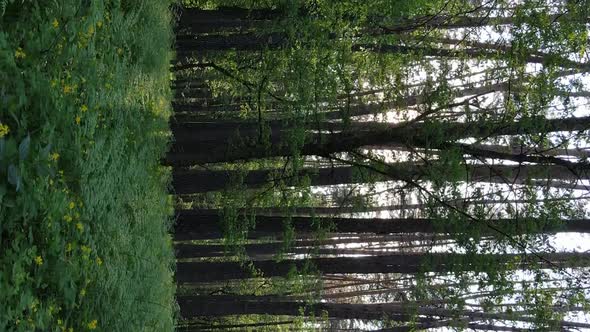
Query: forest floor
pixel 84 207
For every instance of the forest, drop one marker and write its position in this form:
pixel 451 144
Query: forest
pixel 381 165
pixel 294 165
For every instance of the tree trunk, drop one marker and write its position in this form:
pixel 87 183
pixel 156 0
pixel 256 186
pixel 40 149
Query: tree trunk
pixel 393 263
pixel 190 224
pixel 194 20
pixel 239 42
pixel 422 135
pixel 195 306
pixel 200 181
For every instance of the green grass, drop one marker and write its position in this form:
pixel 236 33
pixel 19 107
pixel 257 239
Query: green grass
pixel 84 210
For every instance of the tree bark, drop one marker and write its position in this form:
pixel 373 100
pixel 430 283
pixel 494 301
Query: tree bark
pixel 200 181
pixel 195 20
pixel 195 306
pixel 192 225
pixel 190 272
pixel 421 135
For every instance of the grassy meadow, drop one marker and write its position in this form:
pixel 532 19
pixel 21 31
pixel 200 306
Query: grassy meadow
pixel 84 207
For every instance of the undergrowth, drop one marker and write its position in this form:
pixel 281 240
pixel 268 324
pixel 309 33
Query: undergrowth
pixel 84 209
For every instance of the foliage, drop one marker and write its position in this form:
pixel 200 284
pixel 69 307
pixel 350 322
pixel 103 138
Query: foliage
pixel 302 70
pixel 84 212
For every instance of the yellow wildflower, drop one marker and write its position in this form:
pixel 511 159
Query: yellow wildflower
pixel 35 302
pixel 83 292
pixel 39 260
pixel 90 31
pixel 98 261
pixel 80 227
pixel 92 325
pixel 19 53
pixel 69 247
pixel 99 24
pixel 78 119
pixel 72 205
pixel 68 218
pixel 54 156
pixel 55 23
pixel 4 130
pixel 85 249
pixel 83 108
pixel 68 89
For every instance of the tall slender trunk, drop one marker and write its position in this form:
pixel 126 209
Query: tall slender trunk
pixel 188 272
pixel 195 20
pixel 256 42
pixel 199 181
pixel 241 42
pixel 190 225
pixel 461 203
pixel 231 327
pixel 446 22
pixel 424 135
pixel 195 306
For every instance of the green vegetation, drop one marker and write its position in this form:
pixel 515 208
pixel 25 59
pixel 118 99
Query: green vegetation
pixel 389 165
pixel 84 209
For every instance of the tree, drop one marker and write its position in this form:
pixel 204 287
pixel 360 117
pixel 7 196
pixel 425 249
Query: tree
pixel 293 119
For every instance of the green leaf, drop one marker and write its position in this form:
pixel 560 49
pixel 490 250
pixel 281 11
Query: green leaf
pixel 44 154
pixel 10 148
pixel 14 177
pixel 2 192
pixel 23 148
pixel 43 170
pixel 2 148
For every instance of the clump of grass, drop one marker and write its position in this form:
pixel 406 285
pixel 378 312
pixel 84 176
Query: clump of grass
pixel 84 210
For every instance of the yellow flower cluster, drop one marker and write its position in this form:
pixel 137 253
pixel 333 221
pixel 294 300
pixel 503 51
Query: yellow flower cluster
pixel 54 156
pixel 39 260
pixel 85 250
pixel 55 23
pixel 34 305
pixel 3 130
pixel 93 324
pixel 19 53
